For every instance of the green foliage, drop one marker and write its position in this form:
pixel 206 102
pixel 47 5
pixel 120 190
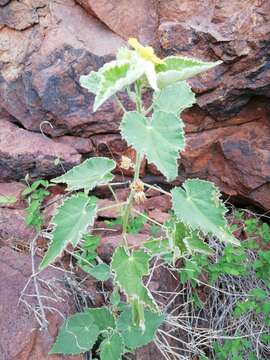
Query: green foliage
pixel 198 205
pixel 87 254
pixel 232 349
pixel 89 174
pixel 7 200
pixel 112 348
pixel 101 272
pixel 178 68
pixel 71 222
pixel 78 334
pixel 198 209
pixel 169 99
pixel 133 335
pixel 134 226
pixel 163 138
pixel 35 195
pixel 129 270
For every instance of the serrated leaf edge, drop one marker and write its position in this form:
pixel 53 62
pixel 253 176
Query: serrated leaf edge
pixel 76 166
pixel 135 295
pixel 55 225
pixel 217 197
pixel 181 123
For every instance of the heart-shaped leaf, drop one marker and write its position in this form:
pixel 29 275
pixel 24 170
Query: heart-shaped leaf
pixel 198 205
pixel 160 139
pixel 78 335
pixel 112 348
pixel 174 98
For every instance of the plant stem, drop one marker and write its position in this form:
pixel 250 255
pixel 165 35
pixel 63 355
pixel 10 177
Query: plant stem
pixel 136 172
pixel 119 102
pixel 130 201
pixel 157 189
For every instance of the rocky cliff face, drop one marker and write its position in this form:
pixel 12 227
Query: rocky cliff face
pixel 46 45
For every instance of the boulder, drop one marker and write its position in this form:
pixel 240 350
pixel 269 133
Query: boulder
pixel 127 18
pixel 46 45
pixel 20 334
pixel 23 152
pixel 237 34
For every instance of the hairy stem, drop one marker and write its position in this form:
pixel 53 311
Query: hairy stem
pixel 136 172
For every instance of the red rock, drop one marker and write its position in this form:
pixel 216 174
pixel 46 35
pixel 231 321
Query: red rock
pixel 13 189
pixel 236 34
pixel 41 66
pixel 127 18
pixel 20 334
pixel 82 145
pixel 13 229
pixel 65 43
pixel 22 153
pixel 159 216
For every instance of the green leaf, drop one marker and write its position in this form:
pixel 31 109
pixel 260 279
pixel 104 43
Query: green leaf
pixel 71 222
pixel 163 138
pixel 77 335
pixel 198 205
pixel 115 297
pixel 133 336
pixel 91 81
pixel 112 348
pixel 258 293
pixel 179 68
pixel 7 200
pixel 115 76
pixel 103 318
pixel 174 98
pixel 195 244
pixel 101 272
pixel 157 246
pixel 129 271
pixel 92 172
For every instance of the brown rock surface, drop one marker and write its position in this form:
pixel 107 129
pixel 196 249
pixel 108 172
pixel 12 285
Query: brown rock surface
pixel 23 152
pixel 21 338
pixel 127 18
pixel 13 230
pixel 45 47
pixel 13 189
pixel 237 33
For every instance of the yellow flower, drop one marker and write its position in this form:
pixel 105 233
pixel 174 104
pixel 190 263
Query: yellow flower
pixel 146 52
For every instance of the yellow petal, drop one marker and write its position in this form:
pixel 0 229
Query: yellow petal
pixel 146 52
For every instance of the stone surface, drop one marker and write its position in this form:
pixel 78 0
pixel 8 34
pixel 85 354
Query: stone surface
pixel 238 34
pixel 20 334
pixel 127 18
pixel 23 152
pixel 60 40
pixel 13 189
pixel 13 230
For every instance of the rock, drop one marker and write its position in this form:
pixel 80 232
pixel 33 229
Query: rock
pixel 127 18
pixel 81 145
pixel 13 189
pixel 39 78
pixel 237 34
pixel 236 157
pixel 22 152
pixel 109 243
pixel 21 15
pixel 13 229
pixel 20 334
pixel 41 65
